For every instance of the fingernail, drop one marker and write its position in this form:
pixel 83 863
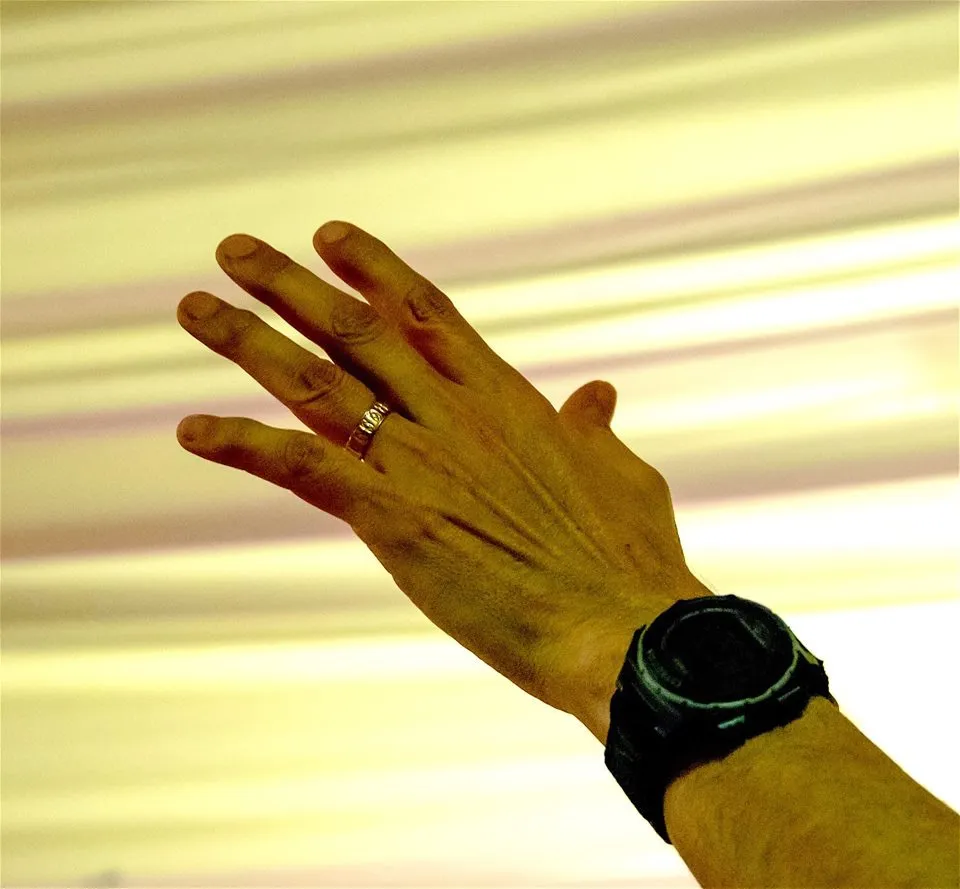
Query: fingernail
pixel 333 232
pixel 191 428
pixel 200 306
pixel 238 246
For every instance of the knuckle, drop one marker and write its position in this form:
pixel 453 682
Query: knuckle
pixel 300 455
pixel 356 323
pixel 317 380
pixel 424 302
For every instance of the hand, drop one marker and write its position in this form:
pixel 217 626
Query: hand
pixel 534 538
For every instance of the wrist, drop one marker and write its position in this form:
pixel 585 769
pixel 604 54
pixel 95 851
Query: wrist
pixel 596 717
pixel 607 658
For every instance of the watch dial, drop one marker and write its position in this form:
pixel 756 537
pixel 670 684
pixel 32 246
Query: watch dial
pixel 722 654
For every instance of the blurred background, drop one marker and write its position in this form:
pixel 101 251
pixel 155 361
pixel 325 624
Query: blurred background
pixel 743 215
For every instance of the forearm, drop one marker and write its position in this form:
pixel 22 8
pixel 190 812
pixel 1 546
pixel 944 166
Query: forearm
pixel 812 804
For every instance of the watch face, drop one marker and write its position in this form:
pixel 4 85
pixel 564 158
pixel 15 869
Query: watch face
pixel 719 652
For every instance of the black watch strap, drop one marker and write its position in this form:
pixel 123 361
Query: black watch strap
pixel 644 761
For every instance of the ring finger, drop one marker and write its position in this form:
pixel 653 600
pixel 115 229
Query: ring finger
pixel 320 393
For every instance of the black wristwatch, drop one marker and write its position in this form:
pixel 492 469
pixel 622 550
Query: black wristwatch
pixel 705 676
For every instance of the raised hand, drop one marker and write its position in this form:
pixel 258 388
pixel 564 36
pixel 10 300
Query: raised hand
pixel 533 537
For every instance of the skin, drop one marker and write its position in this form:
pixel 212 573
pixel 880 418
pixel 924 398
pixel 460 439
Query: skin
pixel 533 537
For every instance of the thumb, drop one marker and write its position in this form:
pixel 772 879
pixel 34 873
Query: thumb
pixel 591 405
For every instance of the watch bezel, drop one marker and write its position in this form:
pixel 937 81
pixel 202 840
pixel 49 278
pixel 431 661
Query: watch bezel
pixel 654 673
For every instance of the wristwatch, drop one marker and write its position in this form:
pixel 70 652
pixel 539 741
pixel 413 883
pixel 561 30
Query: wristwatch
pixel 705 676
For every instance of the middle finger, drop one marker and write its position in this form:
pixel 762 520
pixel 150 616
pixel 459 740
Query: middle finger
pixel 359 339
